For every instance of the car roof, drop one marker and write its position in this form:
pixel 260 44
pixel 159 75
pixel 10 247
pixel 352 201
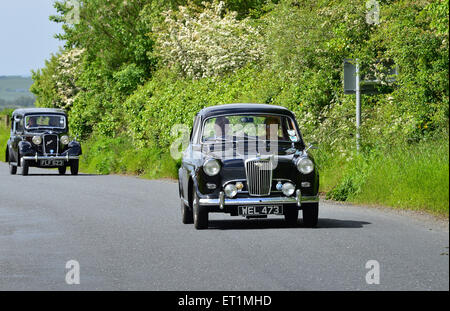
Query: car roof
pixel 24 111
pixel 243 108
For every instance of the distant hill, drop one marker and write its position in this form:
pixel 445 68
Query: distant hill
pixel 15 92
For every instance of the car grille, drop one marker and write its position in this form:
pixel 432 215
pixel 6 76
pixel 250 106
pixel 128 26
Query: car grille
pixel 259 176
pixel 50 142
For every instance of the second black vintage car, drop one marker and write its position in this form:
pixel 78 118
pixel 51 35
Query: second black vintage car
pixel 39 138
pixel 248 160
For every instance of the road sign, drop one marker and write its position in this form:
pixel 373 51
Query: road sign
pixel 369 83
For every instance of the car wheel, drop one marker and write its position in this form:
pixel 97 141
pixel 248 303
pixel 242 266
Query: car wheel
pixel 291 215
pixel 25 167
pixel 310 214
pixel 74 167
pixel 12 169
pixel 186 214
pixel 62 170
pixel 200 212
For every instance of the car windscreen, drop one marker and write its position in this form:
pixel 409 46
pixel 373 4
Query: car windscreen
pixel 45 121
pixel 250 127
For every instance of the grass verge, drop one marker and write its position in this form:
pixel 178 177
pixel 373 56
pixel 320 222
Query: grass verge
pixel 117 155
pixel 4 136
pixel 413 177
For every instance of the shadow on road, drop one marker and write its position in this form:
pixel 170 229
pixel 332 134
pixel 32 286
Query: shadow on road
pixel 57 175
pixel 244 224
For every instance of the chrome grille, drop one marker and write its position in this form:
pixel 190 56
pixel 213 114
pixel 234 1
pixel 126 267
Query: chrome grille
pixel 259 176
pixel 50 142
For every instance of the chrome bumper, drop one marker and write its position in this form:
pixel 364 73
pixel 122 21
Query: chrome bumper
pixel 222 201
pixel 37 158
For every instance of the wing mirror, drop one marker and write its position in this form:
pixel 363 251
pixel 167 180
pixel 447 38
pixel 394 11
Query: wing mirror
pixel 311 146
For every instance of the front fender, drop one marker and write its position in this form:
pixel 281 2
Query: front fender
pixel 25 148
pixel 73 149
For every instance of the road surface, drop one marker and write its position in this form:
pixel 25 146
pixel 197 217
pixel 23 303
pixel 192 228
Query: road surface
pixel 126 234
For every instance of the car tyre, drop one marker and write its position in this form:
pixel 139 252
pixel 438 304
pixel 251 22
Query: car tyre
pixel 12 168
pixel 74 167
pixel 25 167
pixel 62 170
pixel 291 215
pixel 200 212
pixel 187 216
pixel 310 214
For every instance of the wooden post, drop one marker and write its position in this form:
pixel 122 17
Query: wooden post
pixel 4 119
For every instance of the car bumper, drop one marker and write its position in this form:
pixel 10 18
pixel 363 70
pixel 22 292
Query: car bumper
pixel 37 158
pixel 222 201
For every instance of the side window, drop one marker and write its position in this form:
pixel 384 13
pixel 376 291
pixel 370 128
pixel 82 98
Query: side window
pixel 19 126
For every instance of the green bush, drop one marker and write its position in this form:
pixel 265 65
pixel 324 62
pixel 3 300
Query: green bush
pixel 414 176
pixel 127 100
pixel 106 155
pixel 4 136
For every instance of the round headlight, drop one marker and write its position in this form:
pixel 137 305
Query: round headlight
pixel 65 140
pixel 305 165
pixel 211 167
pixel 288 189
pixel 37 140
pixel 230 190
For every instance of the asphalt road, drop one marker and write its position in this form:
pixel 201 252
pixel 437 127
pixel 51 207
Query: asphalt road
pixel 126 234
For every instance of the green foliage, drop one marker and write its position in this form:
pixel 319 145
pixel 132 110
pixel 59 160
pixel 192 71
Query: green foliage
pixel 409 176
pixel 127 99
pixel 4 136
pixel 44 84
pixel 103 155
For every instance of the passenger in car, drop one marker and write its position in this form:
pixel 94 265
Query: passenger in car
pixel 222 127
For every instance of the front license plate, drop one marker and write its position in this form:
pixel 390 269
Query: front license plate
pixel 51 162
pixel 260 210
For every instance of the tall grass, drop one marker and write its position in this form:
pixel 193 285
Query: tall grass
pixel 414 177
pixel 407 176
pixel 4 136
pixel 117 155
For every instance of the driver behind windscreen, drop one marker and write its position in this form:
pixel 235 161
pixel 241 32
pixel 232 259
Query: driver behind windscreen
pixel 272 125
pixel 222 127
pixel 31 122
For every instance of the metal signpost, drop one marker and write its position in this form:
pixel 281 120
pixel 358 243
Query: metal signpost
pixel 358 106
pixel 354 84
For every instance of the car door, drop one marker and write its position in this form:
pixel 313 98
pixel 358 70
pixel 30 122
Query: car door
pixel 188 162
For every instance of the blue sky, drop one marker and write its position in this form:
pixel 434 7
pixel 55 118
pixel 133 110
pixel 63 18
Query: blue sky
pixel 26 35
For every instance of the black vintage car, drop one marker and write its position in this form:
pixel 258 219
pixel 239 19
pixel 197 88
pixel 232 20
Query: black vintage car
pixel 248 160
pixel 39 139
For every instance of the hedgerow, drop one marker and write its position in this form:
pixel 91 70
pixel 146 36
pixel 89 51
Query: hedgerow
pixel 147 65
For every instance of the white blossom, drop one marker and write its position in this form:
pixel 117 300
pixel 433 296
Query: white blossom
pixel 67 72
pixel 207 41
